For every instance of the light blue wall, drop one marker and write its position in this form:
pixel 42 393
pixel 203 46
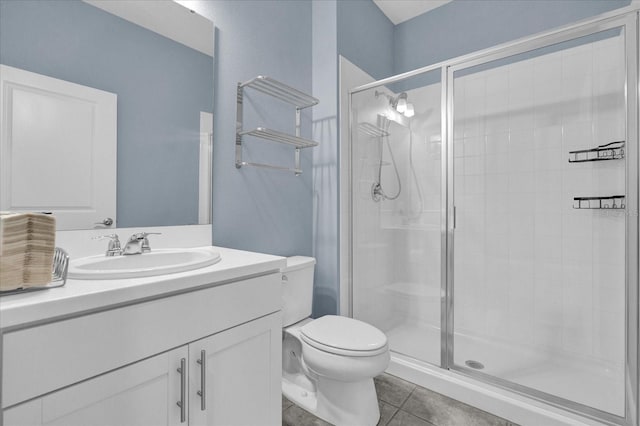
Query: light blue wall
pixel 325 158
pixel 159 97
pixel 462 27
pixel 358 30
pixel 365 37
pixel 255 209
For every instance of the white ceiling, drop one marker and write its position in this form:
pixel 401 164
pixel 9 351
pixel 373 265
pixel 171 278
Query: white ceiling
pixel 402 10
pixel 167 18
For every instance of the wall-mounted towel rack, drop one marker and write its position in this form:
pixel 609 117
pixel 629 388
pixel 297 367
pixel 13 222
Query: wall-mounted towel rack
pixel 284 93
pixel 274 135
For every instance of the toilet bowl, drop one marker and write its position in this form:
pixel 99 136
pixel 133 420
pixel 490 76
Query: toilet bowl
pixel 328 364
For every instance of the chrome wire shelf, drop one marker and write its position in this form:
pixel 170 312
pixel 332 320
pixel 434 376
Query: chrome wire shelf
pixel 280 91
pixel 58 274
pixel 609 151
pixel 276 136
pixel 287 94
pixel 610 202
pixel 270 166
pixel 371 130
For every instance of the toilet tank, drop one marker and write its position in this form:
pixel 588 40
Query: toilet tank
pixel 297 289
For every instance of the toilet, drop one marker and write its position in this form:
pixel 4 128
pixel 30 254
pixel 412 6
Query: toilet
pixel 328 364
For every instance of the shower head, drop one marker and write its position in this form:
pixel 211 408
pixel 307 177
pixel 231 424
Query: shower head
pixel 399 103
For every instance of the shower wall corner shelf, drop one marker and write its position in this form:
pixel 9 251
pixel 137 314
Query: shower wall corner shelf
pixel 371 130
pixel 611 202
pixel 610 151
pixel 286 94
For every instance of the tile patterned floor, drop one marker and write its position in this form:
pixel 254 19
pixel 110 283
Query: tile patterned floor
pixel 405 404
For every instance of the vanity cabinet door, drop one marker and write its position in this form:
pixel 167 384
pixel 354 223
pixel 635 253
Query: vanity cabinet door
pixel 144 393
pixel 242 375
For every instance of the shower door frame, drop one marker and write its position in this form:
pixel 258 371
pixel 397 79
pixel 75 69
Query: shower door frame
pixel 629 24
pixel 624 17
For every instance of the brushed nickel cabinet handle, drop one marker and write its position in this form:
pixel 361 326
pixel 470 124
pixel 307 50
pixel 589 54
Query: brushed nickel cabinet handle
pixel 203 377
pixel 183 389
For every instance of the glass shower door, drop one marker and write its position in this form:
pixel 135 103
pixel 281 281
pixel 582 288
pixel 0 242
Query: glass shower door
pixel 539 184
pixel 396 212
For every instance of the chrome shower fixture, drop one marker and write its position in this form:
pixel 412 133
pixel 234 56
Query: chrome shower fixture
pixel 399 103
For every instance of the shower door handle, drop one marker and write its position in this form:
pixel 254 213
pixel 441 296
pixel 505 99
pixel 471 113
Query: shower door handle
pixel 454 217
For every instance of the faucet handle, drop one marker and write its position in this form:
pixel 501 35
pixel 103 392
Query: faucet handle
pixel 114 237
pixel 142 235
pixel 145 242
pixel 114 244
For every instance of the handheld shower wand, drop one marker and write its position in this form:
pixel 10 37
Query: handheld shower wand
pixel 377 192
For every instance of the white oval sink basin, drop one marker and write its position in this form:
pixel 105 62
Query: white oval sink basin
pixel 156 262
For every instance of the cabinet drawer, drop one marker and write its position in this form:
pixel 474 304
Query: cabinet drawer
pixel 41 359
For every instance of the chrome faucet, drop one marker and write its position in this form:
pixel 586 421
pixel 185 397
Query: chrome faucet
pixel 138 243
pixel 113 249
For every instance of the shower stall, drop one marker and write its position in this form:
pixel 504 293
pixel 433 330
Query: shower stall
pixel 492 227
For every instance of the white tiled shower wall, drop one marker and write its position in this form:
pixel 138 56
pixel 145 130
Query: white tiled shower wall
pixel 530 269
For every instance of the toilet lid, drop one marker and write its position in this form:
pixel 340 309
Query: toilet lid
pixel 344 334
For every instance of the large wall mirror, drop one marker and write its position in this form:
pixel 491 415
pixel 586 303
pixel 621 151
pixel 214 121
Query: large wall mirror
pixel 155 59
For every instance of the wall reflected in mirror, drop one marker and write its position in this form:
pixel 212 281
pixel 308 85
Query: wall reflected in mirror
pixel 157 58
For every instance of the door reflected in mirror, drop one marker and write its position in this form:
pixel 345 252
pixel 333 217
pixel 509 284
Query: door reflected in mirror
pixel 156 57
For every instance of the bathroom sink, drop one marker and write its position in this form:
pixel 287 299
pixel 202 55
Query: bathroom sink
pixel 156 262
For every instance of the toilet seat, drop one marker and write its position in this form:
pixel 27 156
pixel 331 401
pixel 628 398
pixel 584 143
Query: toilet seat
pixel 344 336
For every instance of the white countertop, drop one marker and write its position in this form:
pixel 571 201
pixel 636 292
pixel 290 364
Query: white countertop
pixel 79 296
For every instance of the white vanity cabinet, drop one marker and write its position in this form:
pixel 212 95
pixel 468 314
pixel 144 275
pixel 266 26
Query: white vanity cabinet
pixel 238 383
pixel 121 366
pixel 144 393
